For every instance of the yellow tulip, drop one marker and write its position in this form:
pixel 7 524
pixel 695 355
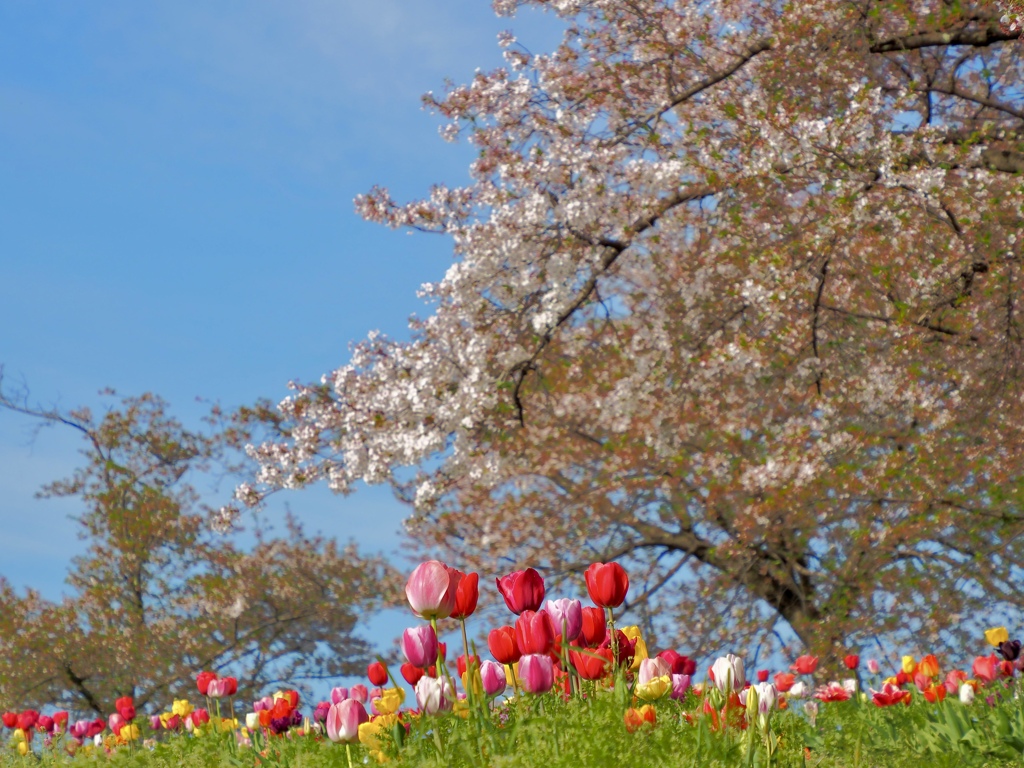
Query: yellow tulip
pixel 19 735
pixel 461 708
pixel 182 708
pixel 369 733
pixel 22 748
pixel 390 700
pixel 512 673
pixel 228 725
pixel 640 651
pixel 997 635
pixel 654 688
pixel 909 664
pixel 128 732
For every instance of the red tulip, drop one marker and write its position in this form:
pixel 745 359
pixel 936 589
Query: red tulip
pixel 462 665
pixel 784 681
pixel 27 719
pixel 679 664
pixel 805 665
pixel 607 584
pixel 201 716
pixel 377 673
pixel 60 719
pixel 522 590
pixel 762 675
pixel 984 668
pixel 852 661
pixel 10 719
pixel 127 712
pixel 431 590
pixel 45 723
pixel 503 646
pixel 411 673
pixel 466 596
pixel 203 681
pixel 534 632
pixel 594 627
pixel 590 667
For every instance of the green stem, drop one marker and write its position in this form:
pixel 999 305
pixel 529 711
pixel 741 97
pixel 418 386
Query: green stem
pixel 348 753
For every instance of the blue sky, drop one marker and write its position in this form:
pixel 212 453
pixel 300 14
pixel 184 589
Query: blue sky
pixel 176 184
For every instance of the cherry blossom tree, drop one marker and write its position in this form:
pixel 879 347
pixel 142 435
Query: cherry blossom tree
pixel 734 299
pixel 167 587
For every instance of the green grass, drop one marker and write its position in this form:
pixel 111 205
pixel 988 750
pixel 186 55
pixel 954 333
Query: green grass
pixel 551 733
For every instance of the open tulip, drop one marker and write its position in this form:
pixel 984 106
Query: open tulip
pixel 566 616
pixel 522 590
pixel 637 717
pixel 389 700
pixel 419 644
pixel 434 695
pixel 534 632
pixel 344 719
pixel 466 595
pixel 431 590
pixel 890 695
pixel 984 668
pixel 607 584
pixel 492 675
pixel 784 681
pixel 805 665
pixel 536 673
pixel 502 644
pixel 997 635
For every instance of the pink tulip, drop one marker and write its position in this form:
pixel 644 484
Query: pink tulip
pixel 344 719
pixel 537 673
pixel 359 693
pixel 651 669
pixel 338 695
pixel 419 644
pixel 265 703
pixel 492 674
pixel 217 688
pixel 432 590
pixel 116 722
pixel 567 616
pixel 155 723
pixel 985 668
pixel 434 694
pixel 873 666
pixel 680 684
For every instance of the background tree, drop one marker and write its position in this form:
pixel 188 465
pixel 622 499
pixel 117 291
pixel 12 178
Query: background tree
pixel 735 298
pixel 167 587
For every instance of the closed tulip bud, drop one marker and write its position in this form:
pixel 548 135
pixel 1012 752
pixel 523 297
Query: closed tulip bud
pixel 466 595
pixel 431 590
pixel 10 719
pixel 784 681
pixel 966 693
pixel 873 666
pixel 60 720
pixel 216 689
pixel 536 673
pixel 1009 650
pixel 344 719
pixel 155 722
pixel 411 673
pixel 434 695
pixel 338 695
pixel 592 663
pixel 534 633
pixel 377 673
pixel 929 666
pixel 419 644
pixel 522 590
pixel 799 690
pixel 503 646
pixel 252 720
pixel 320 712
pixel 651 669
pixel 116 723
pixel 680 684
pixel 678 664
pixel 762 675
pixel 728 673
pixel 566 616
pixel 594 628
pixel 492 676
pixel 909 665
pixel 654 679
pixel 607 584
pixel 997 635
pixel 984 668
pixel 358 692
pixel 852 661
pixel 45 724
pixel 203 681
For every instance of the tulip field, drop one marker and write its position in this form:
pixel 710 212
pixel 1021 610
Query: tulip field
pixel 562 685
